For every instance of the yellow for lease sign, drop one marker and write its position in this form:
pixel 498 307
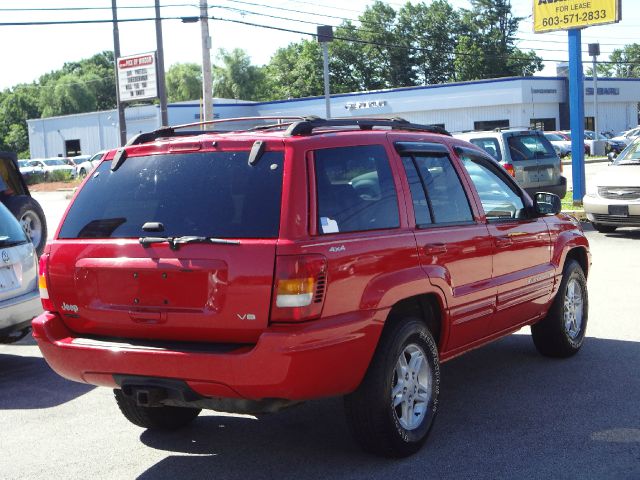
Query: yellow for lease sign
pixel 551 15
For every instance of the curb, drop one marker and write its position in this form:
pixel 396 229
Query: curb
pixel 594 160
pixel 577 214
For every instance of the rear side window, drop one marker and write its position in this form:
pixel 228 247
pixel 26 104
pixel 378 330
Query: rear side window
pixel 489 145
pixel 529 147
pixel 205 194
pixel 446 200
pixel 355 189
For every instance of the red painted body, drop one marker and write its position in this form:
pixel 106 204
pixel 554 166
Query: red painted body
pixel 488 280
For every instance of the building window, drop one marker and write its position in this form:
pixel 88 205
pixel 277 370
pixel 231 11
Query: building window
pixel 490 124
pixel 72 148
pixel 546 124
pixel 589 123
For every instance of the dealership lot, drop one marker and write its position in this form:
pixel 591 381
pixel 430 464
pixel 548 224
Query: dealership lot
pixel 505 412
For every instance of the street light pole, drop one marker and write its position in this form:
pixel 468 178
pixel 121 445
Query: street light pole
pixel 594 51
pixel 325 35
pixel 207 84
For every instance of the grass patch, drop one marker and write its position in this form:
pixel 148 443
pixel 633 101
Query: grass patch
pixel 567 202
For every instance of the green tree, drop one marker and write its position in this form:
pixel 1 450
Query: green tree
pixel 235 77
pixel 431 31
pixel 295 71
pixel 184 82
pixel 69 94
pixel 625 62
pixel 486 47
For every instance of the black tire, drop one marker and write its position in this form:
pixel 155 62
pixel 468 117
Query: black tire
pixel 556 335
pixel 604 228
pixel 31 217
pixel 371 414
pixel 155 418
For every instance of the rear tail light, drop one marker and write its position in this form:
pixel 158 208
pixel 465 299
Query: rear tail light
pixel 43 266
pixel 298 289
pixel 509 168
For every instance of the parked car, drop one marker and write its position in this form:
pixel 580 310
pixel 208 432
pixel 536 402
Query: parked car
pixel 83 168
pixel 50 165
pixel 19 296
pixel 560 143
pixel 628 136
pixel 526 154
pixel 248 271
pixel 15 195
pixel 29 170
pixel 612 199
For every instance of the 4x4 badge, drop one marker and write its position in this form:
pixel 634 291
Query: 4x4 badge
pixel 341 248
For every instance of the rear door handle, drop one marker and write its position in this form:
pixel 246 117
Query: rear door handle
pixel 151 317
pixel 433 248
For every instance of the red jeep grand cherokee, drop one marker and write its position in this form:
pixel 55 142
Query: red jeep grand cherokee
pixel 246 271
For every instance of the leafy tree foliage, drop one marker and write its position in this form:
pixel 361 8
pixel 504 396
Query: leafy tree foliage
pixel 236 77
pixel 184 82
pixel 625 62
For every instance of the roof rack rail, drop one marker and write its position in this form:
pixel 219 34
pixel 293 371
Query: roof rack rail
pixel 163 132
pixel 306 126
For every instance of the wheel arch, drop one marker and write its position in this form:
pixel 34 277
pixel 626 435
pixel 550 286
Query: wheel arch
pixel 427 307
pixel 579 254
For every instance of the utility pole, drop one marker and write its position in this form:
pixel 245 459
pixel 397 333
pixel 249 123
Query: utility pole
pixel 162 91
pixel 207 86
pixel 122 125
pixel 325 35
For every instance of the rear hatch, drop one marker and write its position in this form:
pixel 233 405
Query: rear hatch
pixel 201 269
pixel 534 159
pixel 18 274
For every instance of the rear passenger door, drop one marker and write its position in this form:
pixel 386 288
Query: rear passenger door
pixel 455 250
pixel 522 269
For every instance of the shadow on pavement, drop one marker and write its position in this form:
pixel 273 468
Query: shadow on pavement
pixel 505 412
pixel 28 382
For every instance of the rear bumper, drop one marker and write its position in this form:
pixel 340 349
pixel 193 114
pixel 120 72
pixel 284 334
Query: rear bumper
pixel 16 313
pixel 298 362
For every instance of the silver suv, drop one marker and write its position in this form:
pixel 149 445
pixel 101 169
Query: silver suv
pixel 526 154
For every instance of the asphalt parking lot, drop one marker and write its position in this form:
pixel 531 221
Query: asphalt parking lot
pixel 506 412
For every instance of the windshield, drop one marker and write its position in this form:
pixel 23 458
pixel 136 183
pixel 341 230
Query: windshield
pixel 53 163
pixel 630 155
pixel 11 232
pixel 202 194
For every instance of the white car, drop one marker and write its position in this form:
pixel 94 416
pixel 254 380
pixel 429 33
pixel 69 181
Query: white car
pixel 19 294
pixel 27 170
pixel 628 136
pixel 50 165
pixel 83 168
pixel 612 199
pixel 561 145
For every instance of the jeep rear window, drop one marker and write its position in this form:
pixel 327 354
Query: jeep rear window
pixel 204 194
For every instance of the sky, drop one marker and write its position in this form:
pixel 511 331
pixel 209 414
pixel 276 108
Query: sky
pixel 30 51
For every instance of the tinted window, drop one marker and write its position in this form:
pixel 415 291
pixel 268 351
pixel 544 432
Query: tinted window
pixel 10 231
pixel 355 190
pixel 499 200
pixel 529 147
pixel 489 145
pixel 208 194
pixel 445 194
pixel 420 204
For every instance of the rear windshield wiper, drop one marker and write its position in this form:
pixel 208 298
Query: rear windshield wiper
pixel 175 242
pixel 6 243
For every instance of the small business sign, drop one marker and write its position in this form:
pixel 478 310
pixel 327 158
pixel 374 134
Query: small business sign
pixel 550 15
pixel 137 78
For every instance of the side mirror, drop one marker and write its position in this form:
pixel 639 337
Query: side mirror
pixel 611 156
pixel 547 203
